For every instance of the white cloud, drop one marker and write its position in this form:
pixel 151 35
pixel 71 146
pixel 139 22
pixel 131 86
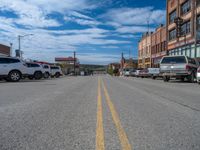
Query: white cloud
pixel 134 16
pixel 95 58
pixel 133 29
pixel 34 13
pixel 81 21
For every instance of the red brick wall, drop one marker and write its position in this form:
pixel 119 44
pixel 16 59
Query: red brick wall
pixel 4 49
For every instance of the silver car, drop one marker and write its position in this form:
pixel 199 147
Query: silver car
pixel 179 67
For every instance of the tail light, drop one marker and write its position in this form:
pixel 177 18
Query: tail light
pixel 187 67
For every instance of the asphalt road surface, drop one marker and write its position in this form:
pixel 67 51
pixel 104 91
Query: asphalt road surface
pixel 99 112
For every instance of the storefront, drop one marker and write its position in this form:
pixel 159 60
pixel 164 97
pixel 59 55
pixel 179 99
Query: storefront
pixel 156 58
pixel 188 50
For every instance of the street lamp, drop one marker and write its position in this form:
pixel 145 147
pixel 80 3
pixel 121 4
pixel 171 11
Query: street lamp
pixel 19 40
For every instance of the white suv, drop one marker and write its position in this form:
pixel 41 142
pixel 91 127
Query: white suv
pixel 12 69
pixel 34 70
pixel 56 71
pixel 47 71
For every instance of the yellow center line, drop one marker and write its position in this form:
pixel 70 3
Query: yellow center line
pixel 99 127
pixel 121 133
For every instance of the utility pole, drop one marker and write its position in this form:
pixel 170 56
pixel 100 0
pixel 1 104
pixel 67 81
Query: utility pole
pixel 122 63
pixel 195 26
pixel 74 63
pixel 19 41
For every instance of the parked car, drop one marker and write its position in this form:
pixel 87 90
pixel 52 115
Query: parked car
pixel 137 73
pixel 47 71
pixel 34 71
pixel 56 71
pixel 179 67
pixel 144 73
pixel 198 75
pixel 12 69
pixel 126 72
pixel 132 72
pixel 154 72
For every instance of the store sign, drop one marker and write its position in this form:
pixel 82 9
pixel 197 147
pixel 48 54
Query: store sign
pixel 159 54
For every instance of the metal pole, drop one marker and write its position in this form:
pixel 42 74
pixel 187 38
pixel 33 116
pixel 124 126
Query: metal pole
pixel 195 27
pixel 19 40
pixel 74 63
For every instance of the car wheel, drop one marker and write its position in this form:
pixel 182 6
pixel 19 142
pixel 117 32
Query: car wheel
pixel 46 75
pixel 37 75
pixel 14 76
pixel 57 75
pixel 166 79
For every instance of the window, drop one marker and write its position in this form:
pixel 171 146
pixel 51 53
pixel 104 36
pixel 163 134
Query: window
pixel 172 16
pixel 8 60
pixel 30 65
pixel 177 59
pixel 172 34
pixel 198 27
pixel 46 67
pixel 2 61
pixel 198 3
pixel 186 7
pixel 54 67
pixel 185 28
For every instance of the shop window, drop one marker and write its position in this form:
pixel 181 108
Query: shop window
pixel 198 3
pixel 198 27
pixel 186 7
pixel 172 34
pixel 192 52
pixel 186 28
pixel 187 51
pixel 198 51
pixel 172 16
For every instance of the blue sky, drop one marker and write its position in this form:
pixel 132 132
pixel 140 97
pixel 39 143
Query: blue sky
pixel 97 30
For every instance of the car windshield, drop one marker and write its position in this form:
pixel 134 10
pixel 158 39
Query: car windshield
pixel 174 60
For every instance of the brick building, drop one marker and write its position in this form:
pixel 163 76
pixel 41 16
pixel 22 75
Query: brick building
pixel 4 50
pixel 144 53
pixel 67 64
pixel 183 27
pixel 158 45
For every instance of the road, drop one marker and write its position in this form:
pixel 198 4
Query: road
pixel 99 112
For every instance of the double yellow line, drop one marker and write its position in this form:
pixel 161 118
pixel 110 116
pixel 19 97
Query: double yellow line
pixel 100 144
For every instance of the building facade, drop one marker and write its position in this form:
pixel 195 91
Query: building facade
pixel 144 53
pixel 183 27
pixel 67 64
pixel 4 50
pixel 158 46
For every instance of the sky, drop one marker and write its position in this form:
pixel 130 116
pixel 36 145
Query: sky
pixel 98 30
